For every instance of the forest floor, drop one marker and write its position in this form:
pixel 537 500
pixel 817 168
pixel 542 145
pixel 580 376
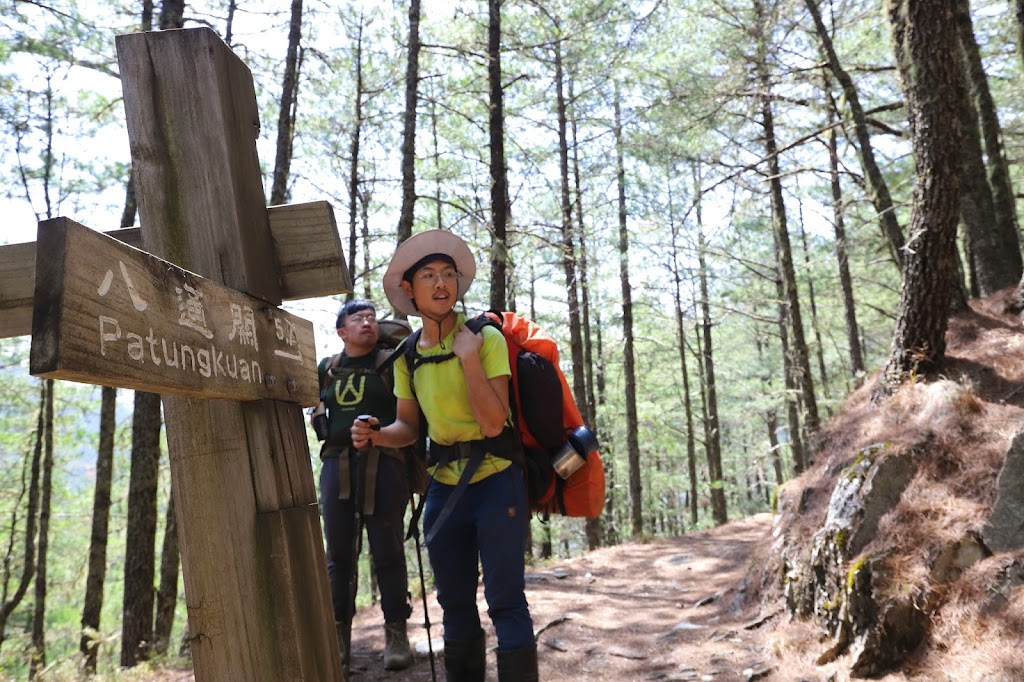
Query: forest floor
pixel 671 610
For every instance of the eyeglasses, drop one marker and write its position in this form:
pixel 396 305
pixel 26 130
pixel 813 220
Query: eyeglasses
pixel 360 318
pixel 430 276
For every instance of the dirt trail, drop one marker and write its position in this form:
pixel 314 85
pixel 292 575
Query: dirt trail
pixel 668 610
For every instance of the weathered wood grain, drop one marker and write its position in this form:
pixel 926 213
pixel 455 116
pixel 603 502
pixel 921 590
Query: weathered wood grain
pixel 306 245
pixel 110 314
pixel 251 573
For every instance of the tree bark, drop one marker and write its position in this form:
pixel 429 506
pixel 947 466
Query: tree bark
pixel 97 572
pixel 354 146
pixel 877 188
pixel 842 257
pixel 593 527
pixel 569 261
pixel 677 292
pixel 977 210
pixel 796 438
pixel 140 542
pixel 998 261
pixel 412 70
pixel 800 356
pixel 167 593
pixel 172 14
pixel 628 359
pixel 499 173
pixel 925 41
pixel 819 347
pixel 286 114
pixel 28 559
pixel 712 428
pixel 38 661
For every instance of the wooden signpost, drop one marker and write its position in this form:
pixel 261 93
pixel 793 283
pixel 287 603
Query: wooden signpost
pixel 259 607
pixel 109 313
pixel 306 248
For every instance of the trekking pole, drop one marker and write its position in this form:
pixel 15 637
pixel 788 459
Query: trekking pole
pixel 357 476
pixel 414 532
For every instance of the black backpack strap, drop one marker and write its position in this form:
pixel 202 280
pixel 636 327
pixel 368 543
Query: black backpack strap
pixel 328 376
pixel 476 456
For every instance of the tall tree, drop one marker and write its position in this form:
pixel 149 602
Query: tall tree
pixel 977 209
pixel 1018 303
pixel 412 71
pixel 878 189
pixel 500 207
pixel 677 294
pixel 41 581
pixel 29 487
pixel 842 256
pixel 998 261
pixel 167 592
pixel 926 45
pixel 287 108
pixel 569 261
pixel 628 358
pixel 798 348
pixel 140 534
pixel 144 472
pixel 712 428
pixel 97 570
pixel 354 147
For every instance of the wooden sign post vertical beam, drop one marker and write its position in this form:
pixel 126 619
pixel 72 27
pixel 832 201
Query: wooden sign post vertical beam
pixel 252 553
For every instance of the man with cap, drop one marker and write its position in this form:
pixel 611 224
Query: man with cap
pixel 476 512
pixel 375 479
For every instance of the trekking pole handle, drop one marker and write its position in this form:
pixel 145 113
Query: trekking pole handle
pixel 365 418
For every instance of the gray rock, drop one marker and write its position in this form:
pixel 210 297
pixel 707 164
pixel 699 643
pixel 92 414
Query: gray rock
pixel 1004 531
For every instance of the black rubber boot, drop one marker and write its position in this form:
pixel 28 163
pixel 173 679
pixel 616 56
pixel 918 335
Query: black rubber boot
pixel 519 665
pixel 465 660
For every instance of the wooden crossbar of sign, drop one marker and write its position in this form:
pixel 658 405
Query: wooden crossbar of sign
pixel 306 246
pixel 107 313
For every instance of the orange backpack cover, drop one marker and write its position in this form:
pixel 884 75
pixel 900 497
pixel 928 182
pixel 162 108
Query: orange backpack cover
pixel 582 494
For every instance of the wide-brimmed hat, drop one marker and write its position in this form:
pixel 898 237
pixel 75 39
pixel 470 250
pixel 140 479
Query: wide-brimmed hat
pixel 413 250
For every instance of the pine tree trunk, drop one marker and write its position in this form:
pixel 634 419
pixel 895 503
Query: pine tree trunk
pixel 842 257
pixel 798 348
pixel 1000 265
pixel 499 172
pixel 286 113
pixel 172 14
pixel 354 146
pixel 140 542
pixel 796 440
pixel 590 407
pixel 38 661
pixel 819 347
pixel 167 593
pixel 628 359
pixel 579 388
pixel 977 210
pixel 925 41
pixel 97 570
pixel 608 530
pixel 28 558
pixel 677 292
pixel 412 75
pixel 712 430
pixel 878 190
pixel 593 527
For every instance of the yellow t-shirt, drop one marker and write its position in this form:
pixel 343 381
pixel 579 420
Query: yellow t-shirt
pixel 444 398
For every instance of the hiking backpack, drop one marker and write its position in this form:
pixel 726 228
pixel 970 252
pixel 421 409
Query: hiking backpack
pixel 391 335
pixel 545 414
